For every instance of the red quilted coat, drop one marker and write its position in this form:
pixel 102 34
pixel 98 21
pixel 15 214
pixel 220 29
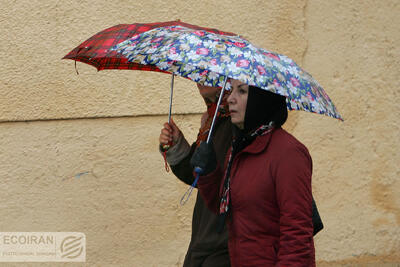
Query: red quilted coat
pixel 270 215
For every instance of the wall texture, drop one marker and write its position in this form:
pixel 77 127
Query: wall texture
pixel 79 152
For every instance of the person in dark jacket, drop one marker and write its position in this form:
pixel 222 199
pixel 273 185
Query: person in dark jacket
pixel 207 247
pixel 263 192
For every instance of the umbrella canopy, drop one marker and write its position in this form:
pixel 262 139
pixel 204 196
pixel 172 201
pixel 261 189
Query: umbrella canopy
pixel 96 52
pixel 208 57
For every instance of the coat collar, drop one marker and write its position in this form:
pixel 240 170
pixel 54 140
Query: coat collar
pixel 260 143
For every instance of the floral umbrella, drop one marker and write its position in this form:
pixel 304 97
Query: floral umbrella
pixel 209 58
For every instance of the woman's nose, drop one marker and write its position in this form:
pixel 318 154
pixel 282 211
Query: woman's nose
pixel 230 98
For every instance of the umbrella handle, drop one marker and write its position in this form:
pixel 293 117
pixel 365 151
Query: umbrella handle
pixel 188 192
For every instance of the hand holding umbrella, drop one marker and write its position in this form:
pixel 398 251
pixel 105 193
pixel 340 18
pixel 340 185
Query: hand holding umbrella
pixel 204 159
pixel 170 134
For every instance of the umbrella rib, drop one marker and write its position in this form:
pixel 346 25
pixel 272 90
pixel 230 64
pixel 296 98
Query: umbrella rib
pixel 216 110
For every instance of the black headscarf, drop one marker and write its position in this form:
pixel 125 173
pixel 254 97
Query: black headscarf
pixel 262 107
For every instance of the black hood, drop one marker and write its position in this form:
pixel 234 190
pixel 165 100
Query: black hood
pixel 262 107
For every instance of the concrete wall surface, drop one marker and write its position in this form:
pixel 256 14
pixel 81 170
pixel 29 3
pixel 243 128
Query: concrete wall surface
pixel 79 153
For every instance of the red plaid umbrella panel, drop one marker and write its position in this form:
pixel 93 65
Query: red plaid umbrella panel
pixel 95 51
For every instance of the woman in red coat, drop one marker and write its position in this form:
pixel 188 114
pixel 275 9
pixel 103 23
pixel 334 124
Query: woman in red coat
pixel 264 193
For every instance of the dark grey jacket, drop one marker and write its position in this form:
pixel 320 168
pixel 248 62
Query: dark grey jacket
pixel 207 247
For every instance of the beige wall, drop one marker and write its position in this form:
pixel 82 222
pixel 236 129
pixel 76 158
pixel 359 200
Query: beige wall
pixel 55 124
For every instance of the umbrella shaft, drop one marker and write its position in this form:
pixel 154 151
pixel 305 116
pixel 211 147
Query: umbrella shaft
pixel 170 98
pixel 221 95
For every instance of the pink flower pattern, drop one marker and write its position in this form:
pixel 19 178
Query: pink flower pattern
pixel 230 56
pixel 199 33
pixel 261 70
pixel 294 82
pixel 202 51
pixel 239 44
pixel 242 63
pixel 172 50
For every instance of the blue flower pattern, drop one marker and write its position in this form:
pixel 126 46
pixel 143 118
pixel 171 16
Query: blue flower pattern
pixel 207 58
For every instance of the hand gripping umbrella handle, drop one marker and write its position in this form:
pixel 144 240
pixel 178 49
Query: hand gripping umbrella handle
pixel 199 170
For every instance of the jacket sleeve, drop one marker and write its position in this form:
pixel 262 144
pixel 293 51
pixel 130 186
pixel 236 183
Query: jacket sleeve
pixel 294 197
pixel 181 167
pixel 178 157
pixel 209 187
pixel 182 170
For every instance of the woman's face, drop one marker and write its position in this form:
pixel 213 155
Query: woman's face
pixel 237 102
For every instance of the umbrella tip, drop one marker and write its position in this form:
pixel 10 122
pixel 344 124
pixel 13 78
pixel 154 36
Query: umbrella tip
pixel 178 20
